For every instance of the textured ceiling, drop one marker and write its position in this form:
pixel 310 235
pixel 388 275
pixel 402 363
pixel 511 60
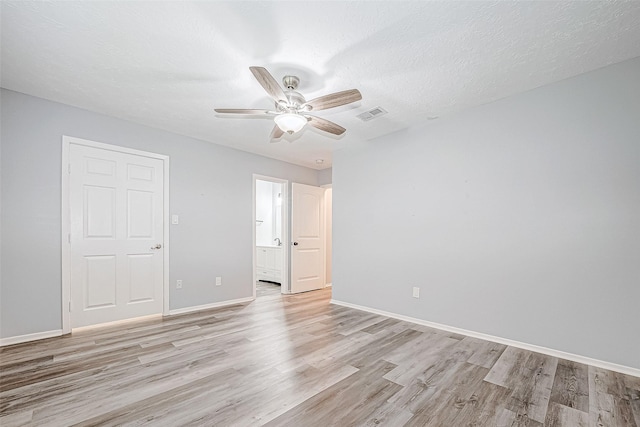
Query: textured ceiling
pixel 168 64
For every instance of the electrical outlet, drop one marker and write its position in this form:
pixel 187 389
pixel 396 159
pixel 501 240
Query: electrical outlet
pixel 218 281
pixel 178 284
pixel 416 292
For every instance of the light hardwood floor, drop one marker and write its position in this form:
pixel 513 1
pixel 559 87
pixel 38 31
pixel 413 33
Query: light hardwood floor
pixel 300 361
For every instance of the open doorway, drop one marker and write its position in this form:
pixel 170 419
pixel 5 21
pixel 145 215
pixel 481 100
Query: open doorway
pixel 270 236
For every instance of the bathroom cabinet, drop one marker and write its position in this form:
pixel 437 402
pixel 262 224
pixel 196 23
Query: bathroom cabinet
pixel 269 263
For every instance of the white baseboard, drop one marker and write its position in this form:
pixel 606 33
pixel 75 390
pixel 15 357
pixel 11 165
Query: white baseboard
pixel 30 337
pixel 117 323
pixel 58 332
pixel 208 306
pixel 627 370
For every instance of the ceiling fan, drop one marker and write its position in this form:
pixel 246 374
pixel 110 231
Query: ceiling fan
pixel 291 108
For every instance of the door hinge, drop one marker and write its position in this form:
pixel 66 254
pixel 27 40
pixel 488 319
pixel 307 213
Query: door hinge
pixel 69 237
pixel 69 305
pixel 69 168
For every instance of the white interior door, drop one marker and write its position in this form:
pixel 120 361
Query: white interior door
pixel 116 235
pixel 307 238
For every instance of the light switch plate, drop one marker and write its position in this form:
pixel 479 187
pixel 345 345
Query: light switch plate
pixel 174 219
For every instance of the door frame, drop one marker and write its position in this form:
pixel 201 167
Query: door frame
pixel 67 141
pixel 284 286
pixel 326 231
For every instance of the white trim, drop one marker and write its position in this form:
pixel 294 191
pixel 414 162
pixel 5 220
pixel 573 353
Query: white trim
pixel 66 218
pixel 117 323
pixel 30 337
pixel 284 285
pixel 627 370
pixel 210 306
pixel 328 285
pixel 254 276
pixel 65 215
pixel 326 231
pixel 324 236
pixel 111 147
pixel 167 225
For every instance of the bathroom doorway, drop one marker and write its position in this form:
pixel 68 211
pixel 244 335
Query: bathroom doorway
pixel 271 236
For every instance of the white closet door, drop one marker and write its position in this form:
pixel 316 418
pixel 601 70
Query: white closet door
pixel 116 206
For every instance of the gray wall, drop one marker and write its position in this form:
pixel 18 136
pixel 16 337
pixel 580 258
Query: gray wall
pixel 211 190
pixel 519 219
pixel 324 176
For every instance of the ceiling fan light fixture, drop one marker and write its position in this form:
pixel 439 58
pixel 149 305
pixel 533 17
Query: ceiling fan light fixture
pixel 290 122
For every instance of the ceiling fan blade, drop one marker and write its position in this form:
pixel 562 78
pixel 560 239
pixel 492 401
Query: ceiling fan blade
pixel 268 83
pixel 335 99
pixel 325 125
pixel 250 112
pixel 276 133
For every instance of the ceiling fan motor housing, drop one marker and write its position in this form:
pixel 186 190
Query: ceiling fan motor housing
pixel 291 82
pixel 294 100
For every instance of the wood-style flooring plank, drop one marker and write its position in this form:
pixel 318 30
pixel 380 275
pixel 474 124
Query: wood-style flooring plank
pixel 448 398
pixel 387 414
pixel 609 405
pixel 356 398
pixel 559 415
pixel 486 353
pixel 413 357
pixel 380 344
pixel 634 396
pixel 16 419
pixel 506 371
pixel 485 406
pixel 571 385
pixel 530 397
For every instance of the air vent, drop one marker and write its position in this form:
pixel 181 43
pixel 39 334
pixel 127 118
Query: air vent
pixel 372 114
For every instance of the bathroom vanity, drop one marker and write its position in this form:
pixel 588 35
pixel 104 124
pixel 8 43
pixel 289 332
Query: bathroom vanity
pixel 269 263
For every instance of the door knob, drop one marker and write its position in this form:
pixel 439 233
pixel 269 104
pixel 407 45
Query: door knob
pixel 295 243
pixel 158 246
